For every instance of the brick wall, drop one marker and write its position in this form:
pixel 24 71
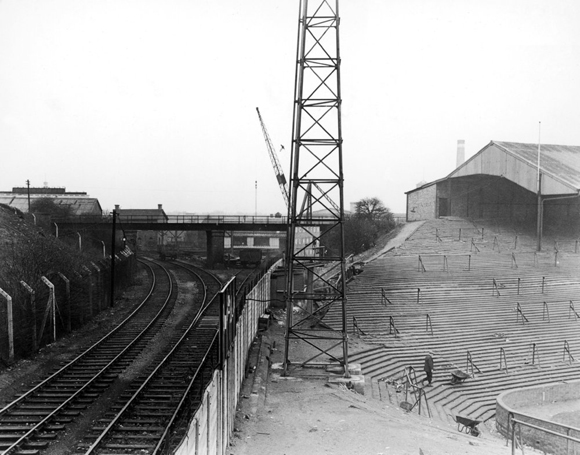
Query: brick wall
pixel 421 204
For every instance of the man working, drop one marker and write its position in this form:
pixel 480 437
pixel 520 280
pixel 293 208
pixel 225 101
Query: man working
pixel 428 368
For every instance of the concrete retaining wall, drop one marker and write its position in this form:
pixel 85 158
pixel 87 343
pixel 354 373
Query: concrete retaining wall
pixel 213 422
pixel 510 403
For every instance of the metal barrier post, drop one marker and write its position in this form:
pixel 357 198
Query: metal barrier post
pixel 546 310
pixel 543 283
pixel 503 356
pixel 495 288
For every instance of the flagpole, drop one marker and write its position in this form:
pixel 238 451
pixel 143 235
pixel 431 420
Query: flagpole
pixel 540 214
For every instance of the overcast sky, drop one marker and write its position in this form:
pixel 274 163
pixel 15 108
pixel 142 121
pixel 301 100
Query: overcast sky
pixel 150 102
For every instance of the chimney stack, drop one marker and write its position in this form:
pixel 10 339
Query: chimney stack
pixel 460 152
pixel 116 206
pixel 160 206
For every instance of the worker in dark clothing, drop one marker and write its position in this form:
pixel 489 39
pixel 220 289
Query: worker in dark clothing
pixel 428 368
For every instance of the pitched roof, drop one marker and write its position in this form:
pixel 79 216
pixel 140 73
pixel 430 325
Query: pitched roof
pixel 78 205
pixel 561 161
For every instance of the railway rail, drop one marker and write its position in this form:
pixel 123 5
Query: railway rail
pixel 33 420
pixel 152 416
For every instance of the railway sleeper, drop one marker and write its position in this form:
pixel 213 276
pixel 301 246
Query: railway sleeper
pixel 152 406
pixel 10 419
pixel 151 428
pixel 119 435
pixel 83 376
pixel 126 447
pixel 84 373
pixel 33 413
pixel 27 427
pixel 50 406
pixel 155 412
pixel 152 396
pixel 56 399
pixel 16 436
pixel 135 421
pixel 51 396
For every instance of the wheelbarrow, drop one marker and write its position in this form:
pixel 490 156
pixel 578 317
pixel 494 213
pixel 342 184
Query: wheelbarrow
pixel 467 425
pixel 458 376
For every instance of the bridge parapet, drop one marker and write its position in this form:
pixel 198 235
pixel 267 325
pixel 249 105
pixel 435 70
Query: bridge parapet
pixel 175 219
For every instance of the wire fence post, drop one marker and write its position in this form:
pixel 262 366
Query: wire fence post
pixel 10 322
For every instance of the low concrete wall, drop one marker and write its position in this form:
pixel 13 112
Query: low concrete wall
pixel 510 403
pixel 213 423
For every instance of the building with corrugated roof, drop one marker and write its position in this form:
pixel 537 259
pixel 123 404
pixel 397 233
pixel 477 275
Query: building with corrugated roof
pixel 78 203
pixel 504 182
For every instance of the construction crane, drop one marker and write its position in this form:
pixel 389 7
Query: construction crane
pixel 280 173
pixel 275 162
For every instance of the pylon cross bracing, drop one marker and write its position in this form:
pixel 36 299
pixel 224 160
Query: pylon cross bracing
pixel 315 259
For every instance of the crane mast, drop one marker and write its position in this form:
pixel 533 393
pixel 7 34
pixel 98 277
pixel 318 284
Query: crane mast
pixel 275 162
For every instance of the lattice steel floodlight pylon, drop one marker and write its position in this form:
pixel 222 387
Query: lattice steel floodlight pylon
pixel 315 285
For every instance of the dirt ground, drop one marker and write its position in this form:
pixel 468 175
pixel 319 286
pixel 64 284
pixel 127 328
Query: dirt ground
pixel 304 414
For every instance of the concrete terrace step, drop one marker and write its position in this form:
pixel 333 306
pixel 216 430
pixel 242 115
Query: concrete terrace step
pixel 468 312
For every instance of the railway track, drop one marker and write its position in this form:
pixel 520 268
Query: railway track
pixel 152 416
pixel 30 423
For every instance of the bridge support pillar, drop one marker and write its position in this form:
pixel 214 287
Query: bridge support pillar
pixel 215 248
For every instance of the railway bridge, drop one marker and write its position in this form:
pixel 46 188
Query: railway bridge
pixel 215 226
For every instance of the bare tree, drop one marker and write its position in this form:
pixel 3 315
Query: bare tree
pixel 373 209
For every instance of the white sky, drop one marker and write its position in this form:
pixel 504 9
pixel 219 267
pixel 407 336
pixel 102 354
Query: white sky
pixel 146 102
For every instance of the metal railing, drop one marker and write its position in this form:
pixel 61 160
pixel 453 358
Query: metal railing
pixel 471 366
pixel 517 424
pixel 417 392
